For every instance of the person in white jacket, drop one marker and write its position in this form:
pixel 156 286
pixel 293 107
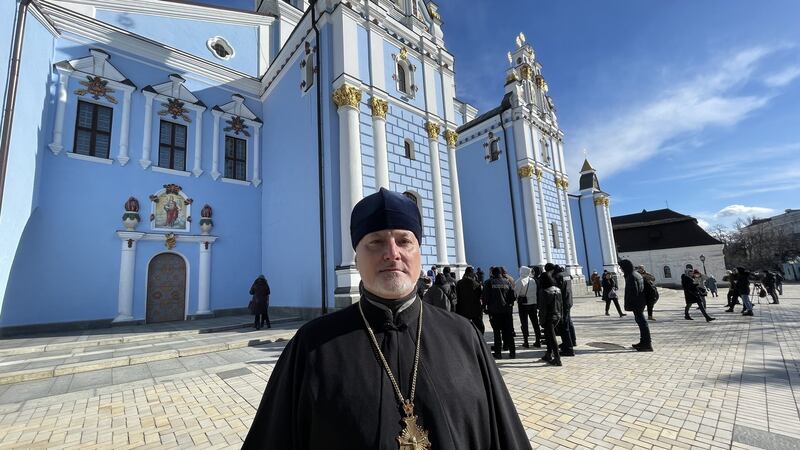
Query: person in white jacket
pixel 525 290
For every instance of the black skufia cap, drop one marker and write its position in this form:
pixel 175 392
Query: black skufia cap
pixel 384 210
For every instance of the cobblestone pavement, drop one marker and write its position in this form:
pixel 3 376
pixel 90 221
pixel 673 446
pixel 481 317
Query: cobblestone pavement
pixel 733 383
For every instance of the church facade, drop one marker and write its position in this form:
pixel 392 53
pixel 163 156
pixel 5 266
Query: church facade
pixel 163 154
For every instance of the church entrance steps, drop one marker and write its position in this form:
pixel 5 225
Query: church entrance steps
pixel 128 334
pixel 60 362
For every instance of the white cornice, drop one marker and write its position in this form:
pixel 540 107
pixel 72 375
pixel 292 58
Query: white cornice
pixel 176 10
pixel 34 10
pixel 97 32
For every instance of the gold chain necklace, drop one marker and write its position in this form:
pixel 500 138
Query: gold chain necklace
pixel 413 436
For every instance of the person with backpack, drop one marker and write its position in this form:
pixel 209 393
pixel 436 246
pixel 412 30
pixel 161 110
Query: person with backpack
pixel 567 329
pixel 650 290
pixel 635 302
pixel 498 296
pixel 525 290
pixel 549 303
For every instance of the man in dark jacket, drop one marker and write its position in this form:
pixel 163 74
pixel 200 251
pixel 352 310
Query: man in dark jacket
pixel 635 301
pixel 567 329
pixel 769 283
pixel 498 295
pixel 549 301
pixel 468 291
pixel 692 295
pixel 743 288
pixel 450 287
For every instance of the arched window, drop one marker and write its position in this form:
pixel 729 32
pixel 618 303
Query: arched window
pixel 409 148
pixel 415 198
pixel 492 146
pixel 667 272
pixel 554 231
pixel 402 79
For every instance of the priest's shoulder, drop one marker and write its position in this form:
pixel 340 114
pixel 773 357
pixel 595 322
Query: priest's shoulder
pixel 326 327
pixel 449 321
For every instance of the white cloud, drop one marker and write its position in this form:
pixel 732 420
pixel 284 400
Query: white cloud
pixel 783 78
pixel 703 224
pixel 742 211
pixel 707 100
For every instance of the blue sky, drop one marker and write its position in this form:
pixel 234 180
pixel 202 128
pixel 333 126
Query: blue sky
pixel 691 103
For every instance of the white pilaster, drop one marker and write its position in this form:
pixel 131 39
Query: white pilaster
pixel 605 242
pixel 256 155
pixel 204 281
pixel 127 269
pixel 125 127
pixel 58 127
pixel 438 200
pixel 379 109
pixel 377 74
pixel 347 99
pixel 450 138
pixel 198 142
pixel 148 127
pixel 215 145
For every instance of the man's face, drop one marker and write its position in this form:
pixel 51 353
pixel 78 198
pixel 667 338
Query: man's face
pixel 389 261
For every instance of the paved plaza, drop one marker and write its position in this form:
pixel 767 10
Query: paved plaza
pixel 733 383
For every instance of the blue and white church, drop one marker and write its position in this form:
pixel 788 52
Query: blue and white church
pixel 158 155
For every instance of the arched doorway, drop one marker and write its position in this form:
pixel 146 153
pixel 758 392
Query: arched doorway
pixel 166 288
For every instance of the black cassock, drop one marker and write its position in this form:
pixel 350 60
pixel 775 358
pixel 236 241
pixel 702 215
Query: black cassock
pixel 329 391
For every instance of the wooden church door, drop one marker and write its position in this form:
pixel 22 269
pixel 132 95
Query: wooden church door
pixel 166 289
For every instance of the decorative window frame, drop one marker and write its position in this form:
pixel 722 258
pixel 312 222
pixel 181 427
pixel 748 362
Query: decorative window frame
pixel 176 102
pixel 492 141
pixel 308 71
pixel 417 201
pixel 547 156
pixel 93 67
pixel 667 272
pixel 225 44
pixel 402 63
pixel 409 152
pixel 238 118
pixel 555 234
pixel 187 204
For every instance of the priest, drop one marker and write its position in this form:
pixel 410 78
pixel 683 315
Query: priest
pixel 388 372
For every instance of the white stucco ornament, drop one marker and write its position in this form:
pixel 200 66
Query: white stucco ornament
pixel 131 217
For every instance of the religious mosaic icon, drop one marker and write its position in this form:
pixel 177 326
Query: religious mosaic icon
pixel 97 88
pixel 237 125
pixel 171 209
pixel 175 108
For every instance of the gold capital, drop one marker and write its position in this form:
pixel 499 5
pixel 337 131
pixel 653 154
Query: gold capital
pixel 526 72
pixel 450 137
pixel 379 107
pixel 347 95
pixel 525 171
pixel 538 173
pixel 433 129
pixel 601 201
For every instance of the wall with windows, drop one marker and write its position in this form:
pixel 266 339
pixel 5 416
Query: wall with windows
pixel 71 238
pixel 28 143
pixel 673 261
pixel 410 80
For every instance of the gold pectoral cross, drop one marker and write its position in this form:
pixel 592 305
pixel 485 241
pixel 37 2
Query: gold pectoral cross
pixel 413 436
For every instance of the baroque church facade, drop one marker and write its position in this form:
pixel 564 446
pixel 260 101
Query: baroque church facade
pixel 163 154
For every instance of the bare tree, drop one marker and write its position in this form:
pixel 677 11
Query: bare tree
pixel 757 246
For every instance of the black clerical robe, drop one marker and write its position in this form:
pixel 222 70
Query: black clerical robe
pixel 329 391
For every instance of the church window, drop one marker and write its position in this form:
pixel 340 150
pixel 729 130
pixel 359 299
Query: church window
pixel 220 48
pixel 235 158
pixel 408 146
pixel 554 234
pixel 492 146
pixel 93 130
pixel 545 151
pixel 309 71
pixel 402 79
pixel 667 272
pixel 172 146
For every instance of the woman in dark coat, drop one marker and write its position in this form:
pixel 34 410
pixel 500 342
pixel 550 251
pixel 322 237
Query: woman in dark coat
pixel 260 292
pixel 692 295
pixel 436 295
pixel 610 286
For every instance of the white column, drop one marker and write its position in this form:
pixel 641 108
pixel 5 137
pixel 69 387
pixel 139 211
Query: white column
pixel 256 155
pixel 610 228
pixel 451 138
pixel 215 145
pixel 204 281
pixel 379 109
pixel 127 269
pixel 438 200
pixel 125 126
pixel 148 127
pixel 347 99
pixel 529 207
pixel 58 127
pixel 198 142
pixel 605 243
pixel 548 244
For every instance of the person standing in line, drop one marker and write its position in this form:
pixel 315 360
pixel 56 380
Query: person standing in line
pixel 260 292
pixel 423 283
pixel 650 290
pixel 711 284
pixel 469 294
pixel 596 286
pixel 525 290
pixel 692 295
pixel 437 295
pixel 567 330
pixel 636 302
pixel 743 289
pixel 549 302
pixel 498 294
pixel 479 275
pixel 769 283
pixel 610 293
pixel 432 274
pixel 450 290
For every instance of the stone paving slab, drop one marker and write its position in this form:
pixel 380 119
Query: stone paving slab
pixel 732 383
